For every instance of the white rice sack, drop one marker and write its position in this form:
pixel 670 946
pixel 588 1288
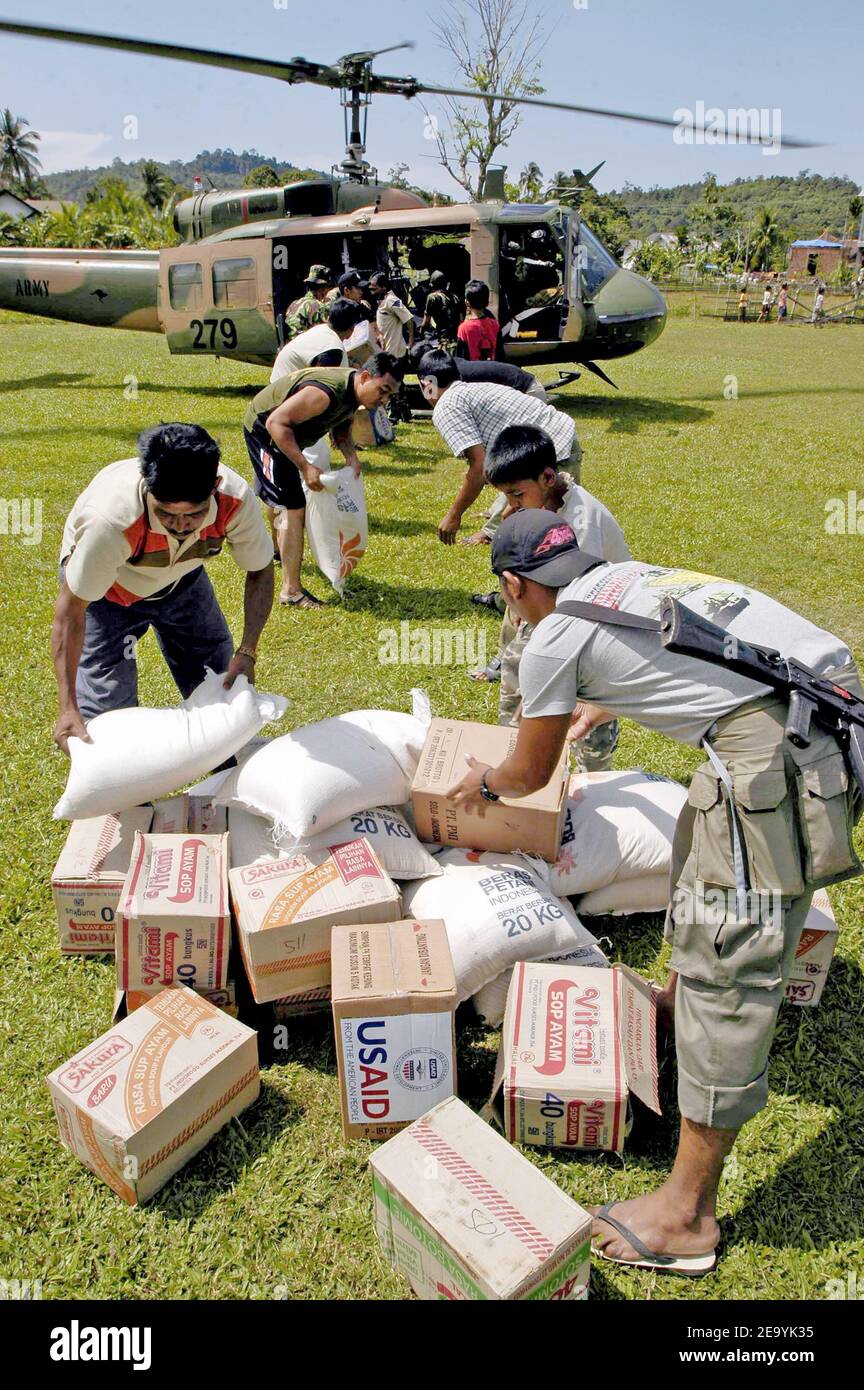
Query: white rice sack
pixel 618 825
pixel 319 774
pixel 649 893
pixel 491 1001
pixel 142 754
pixel 385 827
pixel 498 909
pixel 337 522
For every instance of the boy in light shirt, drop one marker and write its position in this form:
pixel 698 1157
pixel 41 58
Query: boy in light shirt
pixel 521 464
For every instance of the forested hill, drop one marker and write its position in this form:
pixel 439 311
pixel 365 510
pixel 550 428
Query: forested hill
pixel 806 203
pixel 218 168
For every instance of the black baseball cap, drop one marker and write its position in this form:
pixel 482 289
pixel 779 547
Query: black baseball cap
pixel 350 280
pixel 541 546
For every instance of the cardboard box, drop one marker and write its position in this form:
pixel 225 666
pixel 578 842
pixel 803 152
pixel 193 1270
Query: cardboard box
pixel 173 925
pixel 137 1103
pixel 171 815
pixel 814 953
pixel 205 817
pixel 575 1043
pixel 308 1001
pixel 285 909
pixel 533 824
pixel 394 1005
pixel 88 879
pixel 464 1215
pixel 125 1003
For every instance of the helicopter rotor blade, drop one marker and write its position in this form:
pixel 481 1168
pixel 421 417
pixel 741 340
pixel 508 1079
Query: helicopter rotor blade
pixel 376 52
pixel 338 75
pixel 666 121
pixel 295 70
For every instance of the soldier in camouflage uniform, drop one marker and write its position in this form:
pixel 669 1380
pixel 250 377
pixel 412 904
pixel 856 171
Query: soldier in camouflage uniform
pixel 442 312
pixel 312 309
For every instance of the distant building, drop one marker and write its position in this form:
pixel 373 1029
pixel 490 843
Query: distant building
pixel 821 256
pixel 665 239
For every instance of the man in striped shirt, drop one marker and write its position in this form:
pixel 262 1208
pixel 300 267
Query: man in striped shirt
pixel 134 549
pixel 469 416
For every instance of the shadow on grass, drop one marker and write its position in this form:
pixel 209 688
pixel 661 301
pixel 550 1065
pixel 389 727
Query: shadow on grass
pixel 397 526
pixel 628 413
pixel 52 380
pixel 222 1163
pixel 393 602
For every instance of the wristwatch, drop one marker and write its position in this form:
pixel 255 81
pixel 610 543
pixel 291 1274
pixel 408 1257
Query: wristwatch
pixel 486 791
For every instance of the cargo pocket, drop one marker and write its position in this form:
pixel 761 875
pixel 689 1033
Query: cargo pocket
pixel 711 944
pixel 712 858
pixel 767 818
pixel 825 815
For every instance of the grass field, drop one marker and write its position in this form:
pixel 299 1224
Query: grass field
pixel 280 1205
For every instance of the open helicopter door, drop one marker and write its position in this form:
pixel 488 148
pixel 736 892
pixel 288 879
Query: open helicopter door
pixel 217 298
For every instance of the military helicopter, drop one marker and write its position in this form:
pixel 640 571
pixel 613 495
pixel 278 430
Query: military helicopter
pixel 558 293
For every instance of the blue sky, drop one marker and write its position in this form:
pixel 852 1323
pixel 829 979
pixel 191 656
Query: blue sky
pixel 802 58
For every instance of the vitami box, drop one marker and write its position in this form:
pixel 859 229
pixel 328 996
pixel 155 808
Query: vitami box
pixel 533 824
pixel 137 1103
pixel 285 909
pixel 464 1215
pixel 173 924
pixel 574 1044
pixel 88 879
pixel 394 1005
pixel 814 953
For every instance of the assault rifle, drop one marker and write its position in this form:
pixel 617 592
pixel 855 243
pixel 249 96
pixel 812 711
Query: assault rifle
pixel 811 697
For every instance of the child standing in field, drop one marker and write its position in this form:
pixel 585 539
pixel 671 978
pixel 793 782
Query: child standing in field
pixel 742 307
pixel 479 335
pixel 816 316
pixel 765 311
pixel 781 302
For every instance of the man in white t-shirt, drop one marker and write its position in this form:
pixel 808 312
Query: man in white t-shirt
pixel 469 415
pixel 395 324
pixel 321 346
pixel 765 823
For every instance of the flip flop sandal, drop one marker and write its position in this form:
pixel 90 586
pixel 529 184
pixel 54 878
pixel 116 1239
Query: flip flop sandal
pixel 303 600
pixel 691 1266
pixel 492 672
pixel 486 600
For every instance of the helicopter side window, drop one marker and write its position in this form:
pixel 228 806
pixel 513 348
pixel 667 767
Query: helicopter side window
pixel 532 281
pixel 234 284
pixel 184 285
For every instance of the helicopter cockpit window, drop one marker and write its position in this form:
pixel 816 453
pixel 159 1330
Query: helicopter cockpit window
pixel 595 263
pixel 234 284
pixel 184 285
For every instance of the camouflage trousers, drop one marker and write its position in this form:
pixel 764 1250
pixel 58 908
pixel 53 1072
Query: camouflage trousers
pixel 591 754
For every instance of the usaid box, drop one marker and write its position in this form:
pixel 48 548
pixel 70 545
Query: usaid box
pixel 88 879
pixel 575 1043
pixel 285 909
pixel 173 925
pixel 814 953
pixel 532 824
pixel 137 1103
pixel 463 1215
pixel 394 1004
pixel 126 1003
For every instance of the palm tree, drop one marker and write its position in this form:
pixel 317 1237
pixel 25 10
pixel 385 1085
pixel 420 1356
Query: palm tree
pixel 156 185
pixel 19 163
pixel 765 237
pixel 531 182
